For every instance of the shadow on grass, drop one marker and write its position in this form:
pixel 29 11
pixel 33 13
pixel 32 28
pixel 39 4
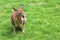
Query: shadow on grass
pixel 8 32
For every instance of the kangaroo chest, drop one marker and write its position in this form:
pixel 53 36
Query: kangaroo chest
pixel 19 20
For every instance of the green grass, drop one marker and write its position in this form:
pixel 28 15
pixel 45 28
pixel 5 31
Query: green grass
pixel 43 19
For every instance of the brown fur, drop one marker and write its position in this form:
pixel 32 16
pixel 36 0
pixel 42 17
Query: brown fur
pixel 18 21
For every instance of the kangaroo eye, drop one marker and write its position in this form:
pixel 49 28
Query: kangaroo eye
pixel 20 14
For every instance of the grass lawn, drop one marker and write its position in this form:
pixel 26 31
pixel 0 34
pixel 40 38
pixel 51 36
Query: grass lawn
pixel 43 19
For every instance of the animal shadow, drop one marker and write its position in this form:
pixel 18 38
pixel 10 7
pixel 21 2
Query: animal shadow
pixel 8 32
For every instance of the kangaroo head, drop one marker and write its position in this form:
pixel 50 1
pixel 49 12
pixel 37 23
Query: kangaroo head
pixel 20 11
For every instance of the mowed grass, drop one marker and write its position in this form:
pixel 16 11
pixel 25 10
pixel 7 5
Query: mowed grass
pixel 43 19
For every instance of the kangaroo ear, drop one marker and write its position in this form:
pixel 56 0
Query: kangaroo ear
pixel 21 6
pixel 15 9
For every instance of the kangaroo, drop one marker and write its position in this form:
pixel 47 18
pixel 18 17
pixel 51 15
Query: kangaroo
pixel 18 19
